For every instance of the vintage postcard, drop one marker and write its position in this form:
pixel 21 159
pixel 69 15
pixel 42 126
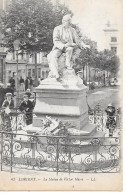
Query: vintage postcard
pixel 61 95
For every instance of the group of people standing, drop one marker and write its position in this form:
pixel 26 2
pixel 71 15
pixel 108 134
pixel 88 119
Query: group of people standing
pixel 26 84
pixel 7 107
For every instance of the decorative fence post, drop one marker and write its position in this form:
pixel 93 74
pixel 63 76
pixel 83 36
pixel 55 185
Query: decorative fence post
pixel 69 150
pixel 57 155
pixel 95 157
pixel 95 143
pixel 1 150
pixel 118 118
pixel 11 152
pixel 102 119
pixel 33 146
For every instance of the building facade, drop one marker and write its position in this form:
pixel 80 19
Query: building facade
pixel 26 63
pixel 113 42
pixel 26 66
pixel 112 38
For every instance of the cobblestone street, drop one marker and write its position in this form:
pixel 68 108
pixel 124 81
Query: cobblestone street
pixel 104 96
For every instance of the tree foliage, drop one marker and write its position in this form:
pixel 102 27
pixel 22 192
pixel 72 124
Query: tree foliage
pixel 103 60
pixel 86 56
pixel 108 60
pixel 32 22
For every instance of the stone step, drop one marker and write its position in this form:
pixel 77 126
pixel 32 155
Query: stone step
pixel 90 144
pixel 98 135
pixel 88 130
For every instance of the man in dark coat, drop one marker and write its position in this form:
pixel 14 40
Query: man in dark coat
pixel 26 83
pixel 31 84
pixel 22 84
pixel 31 96
pixel 12 83
pixel 26 106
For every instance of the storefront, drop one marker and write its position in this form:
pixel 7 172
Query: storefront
pixel 25 70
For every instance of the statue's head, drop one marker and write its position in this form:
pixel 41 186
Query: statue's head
pixel 66 21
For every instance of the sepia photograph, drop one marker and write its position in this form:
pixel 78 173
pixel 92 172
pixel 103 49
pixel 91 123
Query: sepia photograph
pixel 61 95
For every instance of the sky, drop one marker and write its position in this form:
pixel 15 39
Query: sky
pixel 92 15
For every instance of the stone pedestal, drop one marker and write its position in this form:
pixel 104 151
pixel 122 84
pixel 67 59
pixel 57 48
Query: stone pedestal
pixel 64 102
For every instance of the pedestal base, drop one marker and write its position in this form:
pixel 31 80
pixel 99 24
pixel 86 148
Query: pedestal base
pixel 68 104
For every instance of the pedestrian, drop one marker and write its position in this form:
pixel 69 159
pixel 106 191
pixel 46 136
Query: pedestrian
pixel 7 107
pixel 21 81
pixel 26 107
pixel 26 83
pixel 31 84
pixel 2 94
pixel 115 81
pixel 31 96
pixel 39 80
pixel 110 123
pixel 12 83
pixel 28 93
pixel 9 89
pixel 8 102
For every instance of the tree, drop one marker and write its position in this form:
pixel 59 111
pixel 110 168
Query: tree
pixel 102 60
pixel 86 57
pixel 107 60
pixel 32 22
pixel 60 10
pixel 112 63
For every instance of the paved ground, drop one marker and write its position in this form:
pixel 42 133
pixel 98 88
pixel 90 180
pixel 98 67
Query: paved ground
pixel 104 96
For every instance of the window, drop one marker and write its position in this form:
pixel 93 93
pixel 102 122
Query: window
pixel 13 55
pixel 33 72
pixel 22 56
pixel 29 72
pixel 43 74
pixel 114 49
pixel 19 73
pixel 46 74
pixel 39 72
pixel 30 59
pixel 38 58
pixel 113 39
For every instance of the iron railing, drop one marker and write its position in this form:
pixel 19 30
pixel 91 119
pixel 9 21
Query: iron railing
pixel 15 121
pixel 60 153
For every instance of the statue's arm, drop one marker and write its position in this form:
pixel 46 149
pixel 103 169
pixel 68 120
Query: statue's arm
pixel 78 41
pixel 57 40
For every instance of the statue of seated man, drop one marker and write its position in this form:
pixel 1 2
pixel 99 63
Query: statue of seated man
pixel 65 40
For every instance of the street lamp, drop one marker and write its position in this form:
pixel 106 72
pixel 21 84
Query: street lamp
pixel 89 77
pixel 16 48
